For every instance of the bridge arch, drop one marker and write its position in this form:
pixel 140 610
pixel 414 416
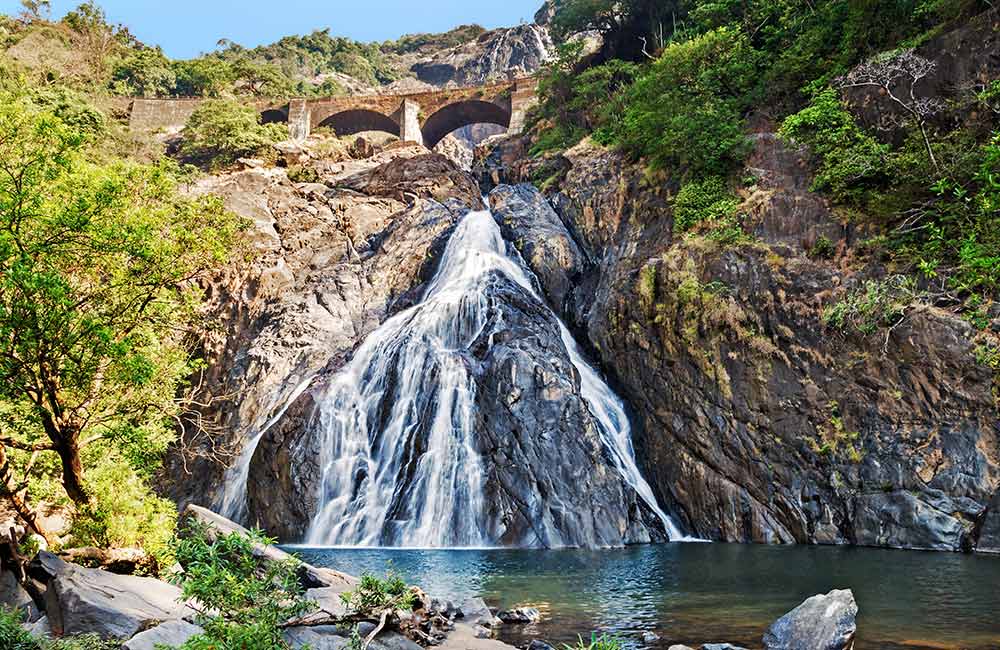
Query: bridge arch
pixel 274 116
pixel 455 116
pixel 354 121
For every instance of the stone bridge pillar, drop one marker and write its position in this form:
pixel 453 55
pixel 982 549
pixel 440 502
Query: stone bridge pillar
pixel 409 122
pixel 522 97
pixel 299 120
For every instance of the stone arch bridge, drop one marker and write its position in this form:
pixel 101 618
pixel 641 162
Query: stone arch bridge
pixel 424 117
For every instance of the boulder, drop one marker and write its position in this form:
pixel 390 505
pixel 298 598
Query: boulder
pixel 319 637
pixel 520 615
pixel 329 601
pixel 680 647
pixel 723 646
pixel 538 644
pixel 649 637
pixel 170 633
pixel 93 601
pixel 823 622
pixel 13 596
pixel 40 628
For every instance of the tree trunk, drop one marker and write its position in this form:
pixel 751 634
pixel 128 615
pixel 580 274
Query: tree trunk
pixel 72 471
pixel 10 489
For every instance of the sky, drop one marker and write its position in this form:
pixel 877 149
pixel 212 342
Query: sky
pixel 187 28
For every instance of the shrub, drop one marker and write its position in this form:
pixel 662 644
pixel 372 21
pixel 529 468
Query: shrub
pixel 851 162
pixel 204 77
pixel 876 305
pixel 703 200
pixel 14 637
pixel 221 131
pixel 243 602
pixel 373 596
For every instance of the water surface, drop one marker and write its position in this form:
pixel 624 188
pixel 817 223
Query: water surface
pixel 694 593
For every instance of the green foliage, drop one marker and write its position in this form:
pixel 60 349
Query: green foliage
pixel 204 77
pixel 822 249
pixel 577 104
pixel 98 270
pixel 704 200
pixel 630 29
pixel 686 111
pixel 603 642
pixel 221 131
pixel 374 596
pixel 144 72
pixel 242 601
pixel 851 162
pixel 420 42
pixel 14 637
pixel 72 109
pixel 877 305
pixel 123 511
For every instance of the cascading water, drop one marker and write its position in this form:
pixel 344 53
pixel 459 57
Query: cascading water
pixel 397 424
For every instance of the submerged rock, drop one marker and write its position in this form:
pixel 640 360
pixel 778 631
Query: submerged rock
pixel 823 622
pixel 520 615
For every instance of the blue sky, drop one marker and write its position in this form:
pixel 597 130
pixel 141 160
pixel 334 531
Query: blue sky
pixel 186 28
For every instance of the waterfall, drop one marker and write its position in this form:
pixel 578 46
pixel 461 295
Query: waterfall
pixel 396 425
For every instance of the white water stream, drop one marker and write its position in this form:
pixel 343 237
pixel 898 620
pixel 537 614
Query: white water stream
pixel 398 459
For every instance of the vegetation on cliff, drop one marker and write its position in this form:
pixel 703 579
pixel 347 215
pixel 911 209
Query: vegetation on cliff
pixel 677 85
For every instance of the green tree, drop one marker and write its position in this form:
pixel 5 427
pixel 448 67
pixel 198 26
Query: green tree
pixel 204 77
pixel 98 270
pixel 145 72
pixel 220 131
pixel 687 111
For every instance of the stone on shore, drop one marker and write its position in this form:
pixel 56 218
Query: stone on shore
pixel 13 596
pixel 823 622
pixel 171 634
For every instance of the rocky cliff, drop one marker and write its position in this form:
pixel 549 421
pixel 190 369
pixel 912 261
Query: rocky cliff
pixel 758 422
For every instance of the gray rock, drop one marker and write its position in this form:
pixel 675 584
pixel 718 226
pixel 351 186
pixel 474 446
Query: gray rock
pixel 170 633
pixel 319 637
pixel 680 647
pixel 520 615
pixel 92 601
pixel 474 609
pixel 39 628
pixel 822 622
pixel 482 632
pixel 538 644
pixel 13 596
pixel 328 599
pixel 723 646
pixel 393 641
pixel 649 637
pixel 989 533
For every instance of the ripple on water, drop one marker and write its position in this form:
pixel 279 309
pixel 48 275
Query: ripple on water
pixel 692 593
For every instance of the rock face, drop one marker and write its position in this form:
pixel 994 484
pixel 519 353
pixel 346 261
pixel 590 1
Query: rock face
pixel 500 54
pixel 755 421
pixel 823 622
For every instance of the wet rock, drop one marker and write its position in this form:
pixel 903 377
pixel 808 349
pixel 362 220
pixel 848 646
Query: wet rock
pixel 680 647
pixel 527 220
pixel 822 622
pixel 92 601
pixel 649 637
pixel 721 646
pixel 170 634
pixel 989 532
pixel 520 615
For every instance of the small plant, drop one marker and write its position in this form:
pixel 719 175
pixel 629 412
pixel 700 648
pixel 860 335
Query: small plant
pixel 707 200
pixel 876 305
pixel 14 637
pixel 302 174
pixel 822 249
pixel 378 600
pixel 603 642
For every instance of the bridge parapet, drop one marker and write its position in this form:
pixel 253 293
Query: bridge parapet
pixel 424 117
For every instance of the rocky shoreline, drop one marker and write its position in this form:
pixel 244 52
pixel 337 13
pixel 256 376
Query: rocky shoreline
pixel 62 599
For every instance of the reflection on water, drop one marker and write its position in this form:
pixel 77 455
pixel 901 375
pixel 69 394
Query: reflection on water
pixel 693 593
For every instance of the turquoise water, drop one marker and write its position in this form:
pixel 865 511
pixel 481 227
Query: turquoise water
pixel 693 593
